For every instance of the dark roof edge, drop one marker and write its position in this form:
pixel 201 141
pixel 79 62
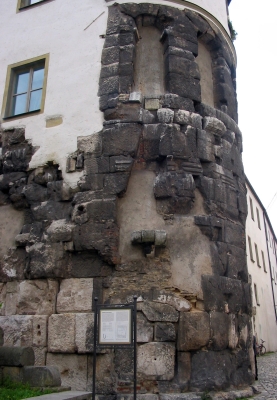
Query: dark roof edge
pixel 261 204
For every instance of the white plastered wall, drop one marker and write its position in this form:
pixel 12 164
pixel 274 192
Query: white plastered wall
pixel 265 321
pixel 67 32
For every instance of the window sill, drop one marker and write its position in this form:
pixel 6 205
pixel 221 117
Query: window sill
pixel 22 115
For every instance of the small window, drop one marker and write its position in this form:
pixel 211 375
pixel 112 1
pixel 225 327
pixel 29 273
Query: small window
pixel 251 209
pixel 258 218
pixel 256 295
pixel 25 87
pixel 264 266
pixel 257 255
pixel 27 3
pixel 250 249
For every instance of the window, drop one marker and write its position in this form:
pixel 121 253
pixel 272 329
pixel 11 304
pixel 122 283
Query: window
pixel 264 262
pixel 251 209
pixel 257 255
pixel 258 218
pixel 25 87
pixel 250 249
pixel 256 295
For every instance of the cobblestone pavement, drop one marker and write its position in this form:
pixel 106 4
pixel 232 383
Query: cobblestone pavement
pixel 267 374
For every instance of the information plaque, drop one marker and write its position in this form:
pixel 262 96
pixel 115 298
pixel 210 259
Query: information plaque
pixel 115 326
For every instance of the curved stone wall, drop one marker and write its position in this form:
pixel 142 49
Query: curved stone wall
pixel 159 212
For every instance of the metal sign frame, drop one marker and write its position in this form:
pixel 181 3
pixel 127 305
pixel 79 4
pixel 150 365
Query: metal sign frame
pixel 115 325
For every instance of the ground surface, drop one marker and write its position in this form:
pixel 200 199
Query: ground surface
pixel 267 374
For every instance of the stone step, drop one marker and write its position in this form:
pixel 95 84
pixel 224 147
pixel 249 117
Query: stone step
pixel 69 395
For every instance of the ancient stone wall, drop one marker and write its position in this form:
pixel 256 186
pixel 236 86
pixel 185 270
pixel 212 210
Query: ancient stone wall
pixel 159 213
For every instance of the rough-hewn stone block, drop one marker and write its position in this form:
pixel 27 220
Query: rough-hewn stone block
pixel 42 376
pixel 61 333
pixel 194 331
pixel 40 328
pixel 144 329
pixel 18 330
pixel 37 297
pixel 156 361
pixel 84 332
pixel 75 295
pixel 16 356
pixel 121 139
pixel 159 312
pixel 164 332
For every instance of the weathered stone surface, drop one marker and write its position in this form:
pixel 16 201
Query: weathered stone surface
pixel 51 210
pixel 116 183
pixel 105 374
pixel 16 356
pixel 121 164
pixel 151 104
pixel 42 376
pixel 91 144
pixel 151 142
pixel 99 237
pixel 156 361
pixel 60 231
pixel 124 112
pixel 176 102
pixel 194 331
pixel 184 369
pixel 172 141
pixel 12 289
pixel 205 146
pixel 221 292
pixel 46 261
pixel 144 329
pixel 75 295
pixel 219 324
pixel 189 88
pixel 159 312
pixel 165 115
pixel 18 330
pixel 164 332
pixel 87 265
pixel 121 139
pixel 184 117
pixel 124 363
pixel 13 264
pixel 84 333
pixel 40 328
pixel 37 297
pixel 180 304
pixel 72 367
pixel 40 356
pixel 211 370
pixel 214 126
pixel 61 333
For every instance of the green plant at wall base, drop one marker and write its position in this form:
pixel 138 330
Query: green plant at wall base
pixel 17 391
pixel 232 30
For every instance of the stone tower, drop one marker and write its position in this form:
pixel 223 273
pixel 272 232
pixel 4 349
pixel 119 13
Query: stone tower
pixel 151 204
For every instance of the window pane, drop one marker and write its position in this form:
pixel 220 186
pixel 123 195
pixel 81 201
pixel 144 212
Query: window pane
pixel 35 100
pixel 19 105
pixel 34 1
pixel 38 78
pixel 22 82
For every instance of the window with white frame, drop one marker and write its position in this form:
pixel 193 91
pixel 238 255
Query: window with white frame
pixel 25 87
pixel 258 218
pixel 256 295
pixel 27 3
pixel 251 209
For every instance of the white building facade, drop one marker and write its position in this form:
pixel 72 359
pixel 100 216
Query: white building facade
pixel 262 266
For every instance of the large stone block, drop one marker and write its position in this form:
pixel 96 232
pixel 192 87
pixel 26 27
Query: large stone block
pixel 18 330
pixel 37 297
pixel 156 361
pixel 60 231
pixel 13 265
pixel 100 237
pixel 84 332
pixel 187 87
pixel 182 66
pixel 40 327
pixel 91 144
pixel 144 329
pixel 42 376
pixel 47 261
pixel 211 370
pixel 40 356
pixel 172 142
pixel 159 312
pixel 12 289
pixel 105 374
pixel 61 333
pixel 221 294
pixel 73 369
pixel 194 331
pixel 121 139
pixel 219 324
pixel 51 210
pixel 180 304
pixel 164 332
pixel 85 264
pixel 16 356
pixel 75 295
pixel 183 369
